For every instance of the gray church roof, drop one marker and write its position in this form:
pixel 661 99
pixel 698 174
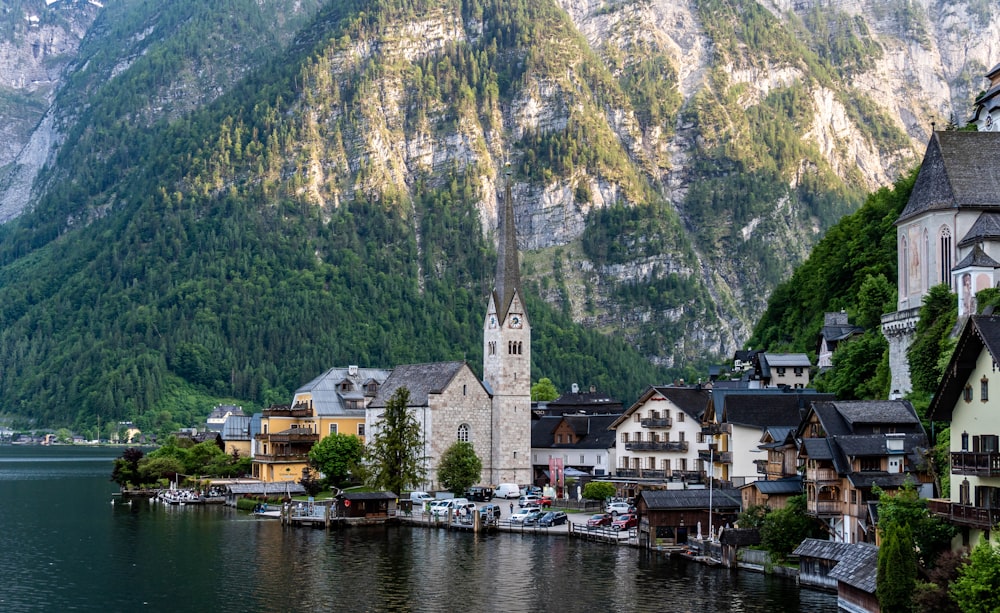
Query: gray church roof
pixel 986 228
pixel 959 170
pixel 421 380
pixel 977 257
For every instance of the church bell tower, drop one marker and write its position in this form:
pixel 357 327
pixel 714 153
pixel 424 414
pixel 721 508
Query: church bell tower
pixel 507 358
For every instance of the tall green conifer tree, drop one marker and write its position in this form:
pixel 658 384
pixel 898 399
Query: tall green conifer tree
pixel 395 457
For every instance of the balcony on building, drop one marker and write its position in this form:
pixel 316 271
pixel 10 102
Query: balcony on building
pixel 716 429
pixel 982 464
pixel 656 422
pixel 681 446
pixel 822 474
pixel 824 507
pixel 964 514
pixel 719 457
pixel 301 409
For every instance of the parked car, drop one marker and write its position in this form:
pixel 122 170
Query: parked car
pixel 490 512
pixel 532 518
pixel 480 493
pixel 519 515
pixel 531 489
pixel 532 505
pixel 524 500
pixel 599 519
pixel 614 508
pixel 441 507
pixel 625 521
pixel 419 498
pixel 553 518
pixel 507 490
pixel 545 501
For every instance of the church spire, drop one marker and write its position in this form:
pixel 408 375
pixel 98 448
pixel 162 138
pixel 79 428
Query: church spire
pixel 508 277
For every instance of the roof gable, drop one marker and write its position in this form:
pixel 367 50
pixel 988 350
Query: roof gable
pixel 959 169
pixel 980 332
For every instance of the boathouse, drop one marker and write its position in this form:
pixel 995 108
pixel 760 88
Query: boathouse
pixel 671 517
pixel 367 505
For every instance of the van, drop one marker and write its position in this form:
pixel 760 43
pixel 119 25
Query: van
pixel 441 507
pixel 507 490
pixel 420 497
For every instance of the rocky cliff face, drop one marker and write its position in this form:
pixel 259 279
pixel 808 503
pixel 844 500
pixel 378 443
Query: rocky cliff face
pixel 753 124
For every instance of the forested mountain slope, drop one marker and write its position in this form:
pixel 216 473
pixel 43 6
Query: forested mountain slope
pixel 230 197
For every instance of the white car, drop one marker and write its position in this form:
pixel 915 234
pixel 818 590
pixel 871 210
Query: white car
pixel 520 515
pixel 614 508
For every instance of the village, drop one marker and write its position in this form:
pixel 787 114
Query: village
pixel 692 457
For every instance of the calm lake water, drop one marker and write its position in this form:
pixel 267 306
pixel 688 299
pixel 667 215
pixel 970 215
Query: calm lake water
pixel 66 547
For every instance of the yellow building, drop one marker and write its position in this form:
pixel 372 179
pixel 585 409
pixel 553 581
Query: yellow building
pixel 332 403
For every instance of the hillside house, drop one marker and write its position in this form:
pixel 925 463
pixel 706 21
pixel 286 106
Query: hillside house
pixel 847 448
pixel 963 399
pixel 836 329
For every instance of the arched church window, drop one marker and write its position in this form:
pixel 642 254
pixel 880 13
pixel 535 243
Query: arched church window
pixel 463 433
pixel 905 254
pixel 944 258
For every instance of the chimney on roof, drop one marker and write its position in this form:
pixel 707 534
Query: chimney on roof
pixel 593 388
pixel 575 388
pixel 352 370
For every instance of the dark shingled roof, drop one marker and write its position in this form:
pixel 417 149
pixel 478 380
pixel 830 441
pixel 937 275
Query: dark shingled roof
pixel 980 331
pixel 269 489
pixel 839 333
pixel 542 430
pixel 858 567
pixel 987 227
pixel 690 399
pixel 817 448
pixel 875 444
pixel 722 499
pixel 592 431
pixel 421 380
pixel 370 496
pixel 877 412
pixel 762 410
pixel 819 549
pixel 788 485
pixel 959 170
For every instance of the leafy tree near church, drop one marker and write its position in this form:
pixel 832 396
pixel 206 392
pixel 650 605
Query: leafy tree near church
pixel 394 458
pixel 930 345
pixel 544 390
pixel 598 490
pixel 460 467
pixel 337 456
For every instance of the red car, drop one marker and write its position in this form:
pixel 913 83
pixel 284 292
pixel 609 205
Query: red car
pixel 545 501
pixel 625 521
pixel 600 519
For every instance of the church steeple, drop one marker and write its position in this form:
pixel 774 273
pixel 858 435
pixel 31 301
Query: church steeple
pixel 508 276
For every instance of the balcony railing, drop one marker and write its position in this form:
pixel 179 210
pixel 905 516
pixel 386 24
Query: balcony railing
pixel 824 507
pixel 822 474
pixel 281 457
pixel 656 446
pixel 656 422
pixel 713 429
pixel 287 411
pixel 289 437
pixel 972 463
pixel 720 457
pixel 651 473
pixel 964 514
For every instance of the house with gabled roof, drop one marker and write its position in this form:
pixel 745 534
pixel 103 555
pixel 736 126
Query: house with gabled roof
pixel 333 402
pixel 672 517
pixel 848 447
pixel 579 443
pixel 963 400
pixel 657 438
pixel 836 329
pixel 850 569
pixel 450 404
pixel 735 421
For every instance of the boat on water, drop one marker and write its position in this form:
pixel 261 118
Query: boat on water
pixel 179 497
pixel 263 511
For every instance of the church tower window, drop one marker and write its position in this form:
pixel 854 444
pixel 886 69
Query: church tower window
pixel 945 256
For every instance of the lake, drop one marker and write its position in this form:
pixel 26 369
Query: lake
pixel 66 547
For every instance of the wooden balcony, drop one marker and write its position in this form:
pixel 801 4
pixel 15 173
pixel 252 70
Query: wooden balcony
pixel 972 463
pixel 296 458
pixel 656 422
pixel 681 446
pixel 821 474
pixel 761 466
pixel 719 457
pixel 715 429
pixel 824 508
pixel 289 437
pixel 964 514
pixel 287 411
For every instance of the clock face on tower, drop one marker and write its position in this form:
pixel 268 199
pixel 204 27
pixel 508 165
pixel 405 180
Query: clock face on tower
pixel 515 321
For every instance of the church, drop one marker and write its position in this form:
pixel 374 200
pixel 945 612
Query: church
pixel 451 404
pixel 949 231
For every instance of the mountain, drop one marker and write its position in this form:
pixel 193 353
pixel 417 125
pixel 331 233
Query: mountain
pixel 229 197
